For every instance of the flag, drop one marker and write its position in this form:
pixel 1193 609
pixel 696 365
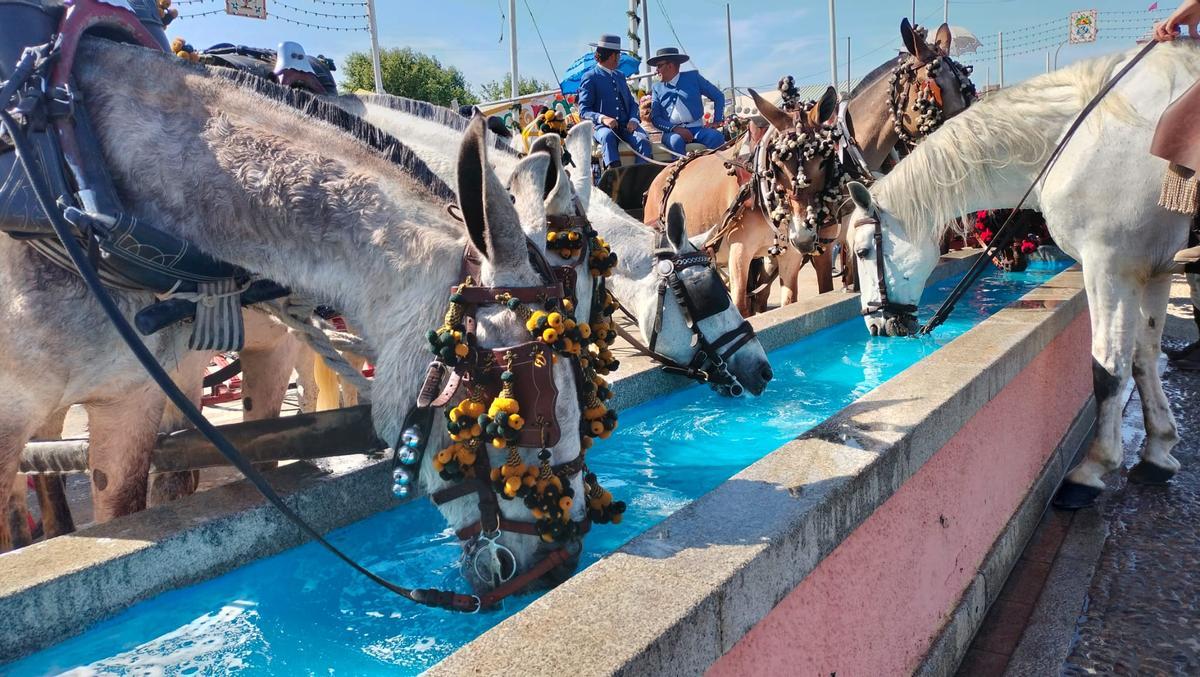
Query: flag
pixel 1153 7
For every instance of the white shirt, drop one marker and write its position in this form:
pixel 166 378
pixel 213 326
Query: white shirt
pixel 680 115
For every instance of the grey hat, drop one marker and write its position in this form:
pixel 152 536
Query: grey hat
pixel 667 54
pixel 608 42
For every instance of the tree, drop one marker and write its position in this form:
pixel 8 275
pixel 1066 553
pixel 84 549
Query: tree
pixel 502 89
pixel 409 73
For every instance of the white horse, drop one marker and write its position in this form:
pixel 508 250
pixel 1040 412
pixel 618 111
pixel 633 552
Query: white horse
pixel 430 130
pixel 338 212
pixel 1100 200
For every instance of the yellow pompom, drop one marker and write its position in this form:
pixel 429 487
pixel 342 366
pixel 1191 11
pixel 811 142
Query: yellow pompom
pixel 177 45
pixel 555 320
pixel 529 480
pixel 516 422
pixel 597 427
pixel 445 456
pixel 495 474
pixel 511 486
pixel 549 336
pixel 461 350
pixel 565 503
pixel 499 442
pixel 548 538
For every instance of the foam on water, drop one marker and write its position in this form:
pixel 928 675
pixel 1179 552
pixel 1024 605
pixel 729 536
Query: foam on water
pixel 302 612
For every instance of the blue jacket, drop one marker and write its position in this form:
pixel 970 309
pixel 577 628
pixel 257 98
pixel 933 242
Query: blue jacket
pixel 603 93
pixel 687 89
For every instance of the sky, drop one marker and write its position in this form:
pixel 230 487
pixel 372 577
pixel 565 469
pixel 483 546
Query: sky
pixel 771 38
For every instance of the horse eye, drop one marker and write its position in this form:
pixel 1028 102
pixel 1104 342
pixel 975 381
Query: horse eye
pixel 862 252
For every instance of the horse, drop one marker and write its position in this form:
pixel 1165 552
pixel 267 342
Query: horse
pixel 900 102
pixel 635 281
pixel 1100 201
pixel 290 197
pixel 754 211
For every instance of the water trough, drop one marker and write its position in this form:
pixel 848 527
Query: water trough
pixel 786 561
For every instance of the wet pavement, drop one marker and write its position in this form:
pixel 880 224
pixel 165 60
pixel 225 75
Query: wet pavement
pixel 1112 590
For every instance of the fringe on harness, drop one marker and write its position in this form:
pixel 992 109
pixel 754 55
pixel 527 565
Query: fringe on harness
pixel 1180 191
pixel 218 325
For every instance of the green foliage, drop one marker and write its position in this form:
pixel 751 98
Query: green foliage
pixel 409 73
pixel 502 89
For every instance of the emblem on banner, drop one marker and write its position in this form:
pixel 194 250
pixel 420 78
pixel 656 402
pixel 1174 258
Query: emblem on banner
pixel 1082 27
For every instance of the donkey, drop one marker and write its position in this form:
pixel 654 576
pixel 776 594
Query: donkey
pixel 432 129
pixel 286 196
pixel 1100 200
pixel 708 190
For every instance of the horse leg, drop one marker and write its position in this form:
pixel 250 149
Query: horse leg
pixel 16 427
pixel 739 271
pixel 306 378
pixel 790 263
pixel 52 489
pixel 15 532
pixel 1116 314
pixel 349 392
pixel 122 437
pixel 1157 464
pixel 823 266
pixel 189 377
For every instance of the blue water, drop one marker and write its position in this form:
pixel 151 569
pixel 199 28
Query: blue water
pixel 302 612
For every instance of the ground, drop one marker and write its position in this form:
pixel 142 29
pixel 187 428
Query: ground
pixel 1112 590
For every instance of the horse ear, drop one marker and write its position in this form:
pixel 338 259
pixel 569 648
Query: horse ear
pixel 550 145
pixel 778 119
pixel 914 43
pixel 676 226
pixel 860 195
pixel 491 219
pixel 943 39
pixel 825 110
pixel 579 147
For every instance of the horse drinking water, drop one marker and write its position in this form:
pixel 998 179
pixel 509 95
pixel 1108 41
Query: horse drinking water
pixel 1100 200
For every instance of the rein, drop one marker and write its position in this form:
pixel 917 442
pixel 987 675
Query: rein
pixel 1004 234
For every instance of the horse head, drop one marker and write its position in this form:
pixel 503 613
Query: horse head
pixel 928 87
pixel 521 416
pixel 796 167
pixel 892 265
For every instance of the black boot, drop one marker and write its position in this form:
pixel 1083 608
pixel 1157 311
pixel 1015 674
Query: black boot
pixel 1187 358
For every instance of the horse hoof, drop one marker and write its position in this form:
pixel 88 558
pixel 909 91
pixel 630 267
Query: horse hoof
pixel 1072 496
pixel 1148 473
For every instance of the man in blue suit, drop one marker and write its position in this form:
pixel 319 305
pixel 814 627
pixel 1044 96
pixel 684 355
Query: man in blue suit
pixel 605 99
pixel 677 109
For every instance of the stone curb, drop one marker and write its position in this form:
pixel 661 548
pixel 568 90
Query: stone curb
pixel 682 594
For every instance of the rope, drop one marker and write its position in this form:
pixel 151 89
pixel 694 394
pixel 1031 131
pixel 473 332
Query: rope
pixel 295 312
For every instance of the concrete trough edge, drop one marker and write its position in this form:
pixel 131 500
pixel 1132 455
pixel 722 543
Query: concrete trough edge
pixel 55 589
pixel 954 638
pixel 679 596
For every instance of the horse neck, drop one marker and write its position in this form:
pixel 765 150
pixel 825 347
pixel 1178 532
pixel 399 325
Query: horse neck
pixel 633 242
pixel 874 131
pixel 286 197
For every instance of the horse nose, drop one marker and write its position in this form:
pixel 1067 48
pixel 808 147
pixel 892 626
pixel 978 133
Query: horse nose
pixel 767 374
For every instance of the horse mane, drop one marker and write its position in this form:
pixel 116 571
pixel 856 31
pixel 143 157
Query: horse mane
pixel 1014 127
pixel 427 111
pixel 388 146
pixel 874 76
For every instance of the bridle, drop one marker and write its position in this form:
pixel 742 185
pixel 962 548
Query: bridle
pixel 770 159
pixel 884 306
pixel 698 300
pixel 929 104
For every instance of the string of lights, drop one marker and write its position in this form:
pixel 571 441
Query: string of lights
pixel 320 14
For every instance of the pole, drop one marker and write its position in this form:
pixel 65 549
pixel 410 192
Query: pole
pixel 1047 61
pixel 914 12
pixel 847 66
pixel 946 12
pixel 729 47
pixel 635 40
pixel 1056 50
pixel 646 30
pixel 514 89
pixel 1000 55
pixel 988 86
pixel 833 76
pixel 374 47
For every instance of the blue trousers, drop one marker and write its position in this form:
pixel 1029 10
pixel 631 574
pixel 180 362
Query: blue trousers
pixel 711 138
pixel 607 138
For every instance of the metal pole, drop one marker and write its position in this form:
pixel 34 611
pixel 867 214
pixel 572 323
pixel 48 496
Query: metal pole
pixel 514 89
pixel 914 12
pixel 946 11
pixel 989 80
pixel 847 66
pixel 646 30
pixel 1047 61
pixel 374 47
pixel 729 47
pixel 1000 55
pixel 1056 50
pixel 833 76
pixel 635 40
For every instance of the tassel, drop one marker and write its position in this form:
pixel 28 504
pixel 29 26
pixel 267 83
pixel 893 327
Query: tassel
pixel 1180 191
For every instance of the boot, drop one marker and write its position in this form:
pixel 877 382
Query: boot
pixel 1189 256
pixel 1187 358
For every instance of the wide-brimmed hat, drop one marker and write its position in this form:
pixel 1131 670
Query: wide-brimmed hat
pixel 671 54
pixel 608 42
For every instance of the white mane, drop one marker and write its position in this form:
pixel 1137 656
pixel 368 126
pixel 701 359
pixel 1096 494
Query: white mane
pixel 1014 127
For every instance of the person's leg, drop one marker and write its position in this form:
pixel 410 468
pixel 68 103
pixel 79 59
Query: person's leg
pixel 607 140
pixel 1188 357
pixel 639 141
pixel 711 138
pixel 674 142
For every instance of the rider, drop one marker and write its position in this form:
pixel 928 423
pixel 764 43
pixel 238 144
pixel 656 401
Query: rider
pixel 605 99
pixel 1175 141
pixel 677 109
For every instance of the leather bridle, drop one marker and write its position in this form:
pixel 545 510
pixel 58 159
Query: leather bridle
pixel 884 306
